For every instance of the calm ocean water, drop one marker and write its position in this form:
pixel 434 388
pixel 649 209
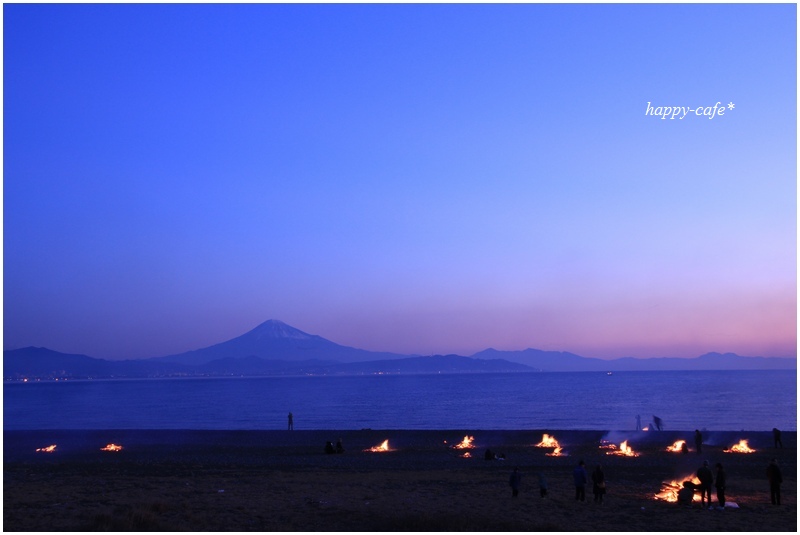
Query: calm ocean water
pixel 720 400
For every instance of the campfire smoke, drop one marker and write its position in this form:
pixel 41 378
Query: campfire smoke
pixel 741 447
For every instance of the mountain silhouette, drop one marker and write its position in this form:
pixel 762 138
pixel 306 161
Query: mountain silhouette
pixel 275 348
pixel 274 339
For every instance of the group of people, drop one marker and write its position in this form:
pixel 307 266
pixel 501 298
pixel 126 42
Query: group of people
pixel 516 480
pixel 580 477
pixel 707 479
pixel 330 448
pixel 704 474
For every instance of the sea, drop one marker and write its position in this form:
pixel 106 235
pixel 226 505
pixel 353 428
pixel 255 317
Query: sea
pixel 683 400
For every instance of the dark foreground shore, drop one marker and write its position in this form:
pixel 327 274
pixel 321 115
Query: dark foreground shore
pixel 283 481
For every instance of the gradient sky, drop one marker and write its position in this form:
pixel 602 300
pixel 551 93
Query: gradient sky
pixel 409 178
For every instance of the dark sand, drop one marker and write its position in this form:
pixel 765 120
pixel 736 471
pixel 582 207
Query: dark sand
pixel 282 481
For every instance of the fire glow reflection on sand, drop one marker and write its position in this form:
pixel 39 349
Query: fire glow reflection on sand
pixel 741 447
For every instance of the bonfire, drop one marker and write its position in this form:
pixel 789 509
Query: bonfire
pixel 384 446
pixel 624 450
pixel 48 449
pixel 741 447
pixel 112 447
pixel 550 442
pixel 677 446
pixel 465 444
pixel 670 489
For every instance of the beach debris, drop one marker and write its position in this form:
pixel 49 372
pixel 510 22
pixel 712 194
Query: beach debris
pixel 47 449
pixel 112 447
pixel 741 447
pixel 551 442
pixel 677 446
pixel 623 450
pixel 671 489
pixel 383 446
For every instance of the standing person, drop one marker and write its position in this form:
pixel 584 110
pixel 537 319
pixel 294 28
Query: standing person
pixel 720 484
pixel 775 479
pixel 514 481
pixel 658 423
pixel 598 484
pixel 638 422
pixel 580 478
pixel 698 441
pixel 776 437
pixel 291 422
pixel 542 485
pixel 706 480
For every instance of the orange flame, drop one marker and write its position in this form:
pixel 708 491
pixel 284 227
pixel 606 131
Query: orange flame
pixel 741 447
pixel 670 489
pixel 111 447
pixel 623 450
pixel 384 446
pixel 465 444
pixel 548 442
pixel 48 449
pixel 467 455
pixel 677 446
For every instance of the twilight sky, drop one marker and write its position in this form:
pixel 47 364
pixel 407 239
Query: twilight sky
pixel 409 178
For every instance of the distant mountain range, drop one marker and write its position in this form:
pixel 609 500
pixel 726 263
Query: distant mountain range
pixel 275 348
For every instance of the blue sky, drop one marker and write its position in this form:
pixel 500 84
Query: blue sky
pixel 410 178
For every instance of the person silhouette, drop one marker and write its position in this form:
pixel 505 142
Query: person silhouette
pixel 658 423
pixel 291 422
pixel 514 481
pixel 775 479
pixel 706 478
pixel 638 422
pixel 580 478
pixel 776 437
pixel 698 441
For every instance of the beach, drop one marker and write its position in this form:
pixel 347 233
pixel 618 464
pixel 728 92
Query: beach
pixel 284 481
